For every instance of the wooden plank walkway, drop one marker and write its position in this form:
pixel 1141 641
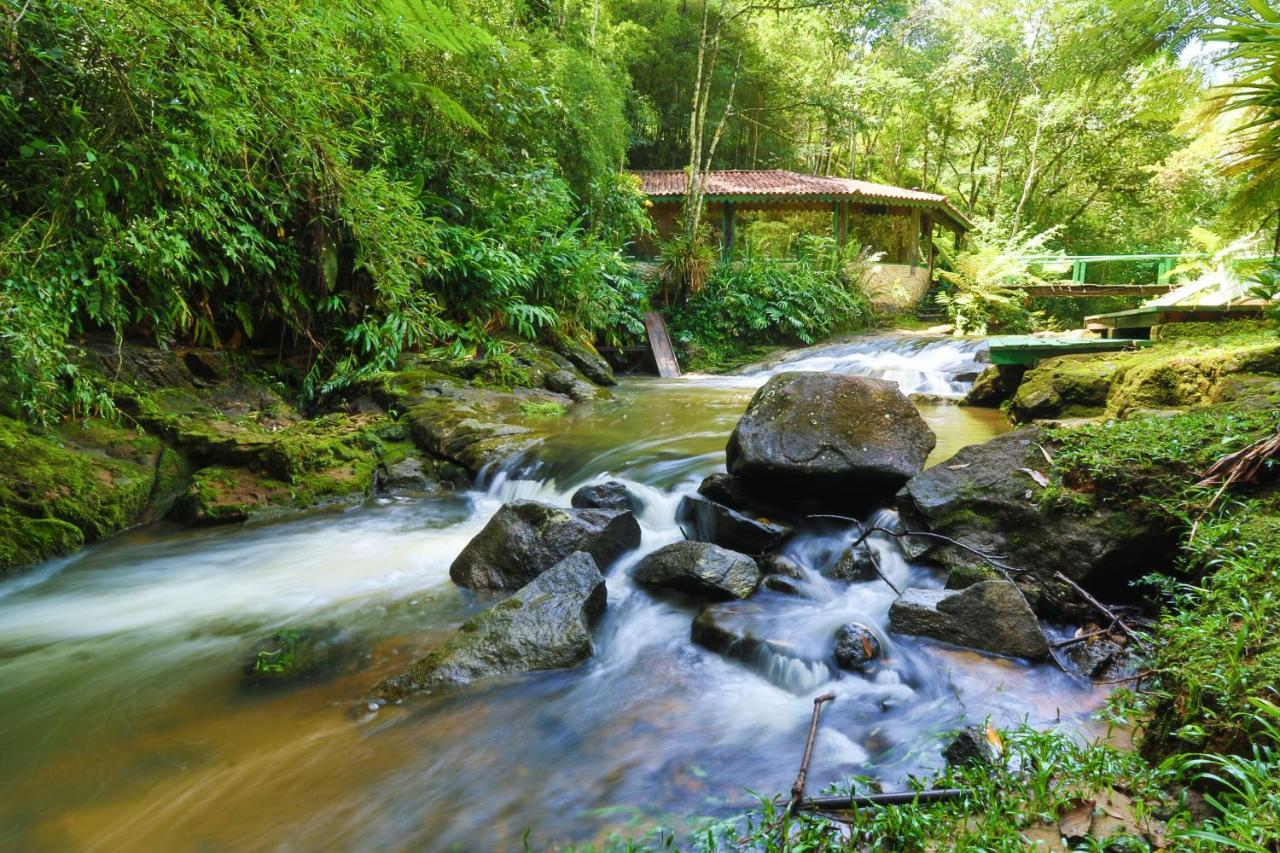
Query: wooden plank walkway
pixel 1140 320
pixel 1027 350
pixel 664 355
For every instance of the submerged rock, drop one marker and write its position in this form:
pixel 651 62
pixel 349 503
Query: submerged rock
pixel 704 521
pixel 525 538
pixel 608 495
pixel 699 568
pixel 567 382
pixel 828 440
pixel 745 631
pixel 985 498
pixel 856 646
pixel 990 616
pixel 544 625
pixel 780 564
pixel 292 655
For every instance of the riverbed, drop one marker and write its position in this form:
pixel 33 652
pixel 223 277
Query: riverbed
pixel 124 723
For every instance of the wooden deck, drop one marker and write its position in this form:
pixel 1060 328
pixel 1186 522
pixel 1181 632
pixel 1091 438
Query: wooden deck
pixel 1027 350
pixel 1138 321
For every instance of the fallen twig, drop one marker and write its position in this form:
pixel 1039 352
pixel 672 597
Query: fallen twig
pixel 1102 608
pixel 797 790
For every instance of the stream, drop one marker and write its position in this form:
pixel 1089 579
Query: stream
pixel 124 723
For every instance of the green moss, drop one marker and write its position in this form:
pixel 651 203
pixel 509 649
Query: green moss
pixel 94 478
pixel 543 409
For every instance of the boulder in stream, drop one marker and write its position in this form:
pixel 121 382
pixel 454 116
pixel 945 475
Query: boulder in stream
pixel 970 746
pixel 705 521
pixel 856 646
pixel 607 495
pixel 990 616
pixel 854 565
pixel 987 497
pixel 699 568
pixel 828 441
pixel 747 631
pixel 544 625
pixel 525 538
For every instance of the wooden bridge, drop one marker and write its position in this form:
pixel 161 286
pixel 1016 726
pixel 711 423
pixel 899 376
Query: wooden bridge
pixel 1078 286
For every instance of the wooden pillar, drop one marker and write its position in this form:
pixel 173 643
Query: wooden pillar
pixel 926 222
pixel 842 223
pixel 727 211
pixel 914 251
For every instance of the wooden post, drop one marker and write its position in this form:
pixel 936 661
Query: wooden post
pixel 927 224
pixel 727 211
pixel 842 223
pixel 915 238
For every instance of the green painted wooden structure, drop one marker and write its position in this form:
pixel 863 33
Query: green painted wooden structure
pixel 1137 322
pixel 1028 350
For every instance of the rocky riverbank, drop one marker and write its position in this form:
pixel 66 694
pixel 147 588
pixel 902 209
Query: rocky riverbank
pixel 205 436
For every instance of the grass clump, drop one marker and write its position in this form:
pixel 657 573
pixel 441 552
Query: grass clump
pixel 543 409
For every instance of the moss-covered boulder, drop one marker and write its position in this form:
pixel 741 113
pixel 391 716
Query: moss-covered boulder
pixel 1192 365
pixel 60 489
pixel 828 441
pixel 305 654
pixel 990 497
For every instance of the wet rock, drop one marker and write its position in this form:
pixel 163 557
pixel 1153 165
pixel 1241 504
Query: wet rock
pixel 544 625
pixel 293 655
pixel 827 440
pixel 609 495
pixel 856 646
pixel 778 583
pixel 704 521
pixel 984 498
pixel 525 538
pixel 566 382
pixel 587 360
pixel 1069 386
pixel 699 568
pixel 970 746
pixel 408 476
pixel 728 490
pixel 780 564
pixel 989 616
pixel 993 386
pixel 1097 657
pixel 854 565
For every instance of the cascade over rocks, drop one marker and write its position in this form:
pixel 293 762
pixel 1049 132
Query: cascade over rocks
pixel 854 565
pixel 699 568
pixel 544 625
pixel 704 521
pixel 744 631
pixel 828 440
pixel 525 538
pixel 990 616
pixel 609 495
pixel 984 498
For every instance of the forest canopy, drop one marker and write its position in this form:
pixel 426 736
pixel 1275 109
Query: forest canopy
pixel 351 180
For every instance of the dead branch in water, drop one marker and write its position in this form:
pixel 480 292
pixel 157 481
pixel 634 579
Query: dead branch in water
pixel 860 801
pixel 797 790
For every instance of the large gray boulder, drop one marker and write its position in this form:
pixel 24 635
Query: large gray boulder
pixel 828 440
pixel 699 568
pixel 991 616
pixel 544 625
pixel 705 521
pixel 525 538
pixel 988 497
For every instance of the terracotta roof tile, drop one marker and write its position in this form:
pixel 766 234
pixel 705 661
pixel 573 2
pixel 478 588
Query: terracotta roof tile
pixel 778 182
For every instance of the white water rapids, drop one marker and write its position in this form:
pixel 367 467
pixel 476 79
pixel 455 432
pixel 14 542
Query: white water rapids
pixel 123 723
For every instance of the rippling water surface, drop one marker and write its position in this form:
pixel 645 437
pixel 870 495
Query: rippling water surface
pixel 123 724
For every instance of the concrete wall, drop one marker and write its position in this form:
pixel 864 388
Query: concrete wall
pixel 896 287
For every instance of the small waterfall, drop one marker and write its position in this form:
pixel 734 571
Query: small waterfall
pixel 944 367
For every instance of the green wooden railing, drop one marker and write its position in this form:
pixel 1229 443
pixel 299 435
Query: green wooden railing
pixel 1165 263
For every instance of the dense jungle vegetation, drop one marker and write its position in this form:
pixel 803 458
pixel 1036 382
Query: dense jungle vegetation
pixel 340 182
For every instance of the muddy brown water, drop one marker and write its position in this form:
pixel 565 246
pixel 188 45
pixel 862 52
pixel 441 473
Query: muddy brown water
pixel 124 725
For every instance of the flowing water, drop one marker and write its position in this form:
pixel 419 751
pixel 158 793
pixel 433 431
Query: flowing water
pixel 124 725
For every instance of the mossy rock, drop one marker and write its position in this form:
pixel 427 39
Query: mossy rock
pixel 1067 386
pixel 63 488
pixel 295 655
